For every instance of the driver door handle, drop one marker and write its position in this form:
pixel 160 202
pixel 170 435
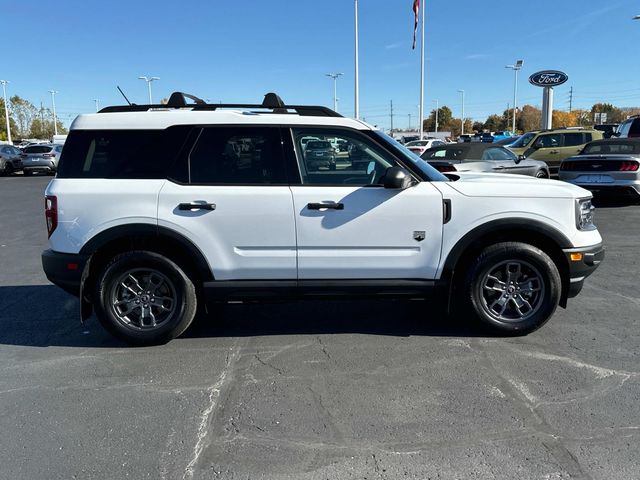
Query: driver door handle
pixel 320 206
pixel 196 206
pixel 554 151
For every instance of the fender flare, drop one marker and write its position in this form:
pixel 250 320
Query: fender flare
pixel 536 227
pixel 503 225
pixel 137 230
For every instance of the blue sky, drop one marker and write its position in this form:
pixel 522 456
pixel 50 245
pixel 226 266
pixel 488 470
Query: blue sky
pixel 238 50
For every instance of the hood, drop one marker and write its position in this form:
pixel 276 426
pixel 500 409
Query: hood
pixel 515 186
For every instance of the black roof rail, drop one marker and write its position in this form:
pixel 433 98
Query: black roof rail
pixel 271 102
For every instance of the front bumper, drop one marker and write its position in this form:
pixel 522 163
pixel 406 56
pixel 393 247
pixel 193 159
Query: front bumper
pixel 582 263
pixel 64 270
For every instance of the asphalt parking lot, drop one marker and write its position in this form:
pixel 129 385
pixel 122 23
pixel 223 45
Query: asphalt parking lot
pixel 336 390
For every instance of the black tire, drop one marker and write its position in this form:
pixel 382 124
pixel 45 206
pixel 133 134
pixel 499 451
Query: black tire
pixel 531 291
pixel 542 174
pixel 8 169
pixel 175 284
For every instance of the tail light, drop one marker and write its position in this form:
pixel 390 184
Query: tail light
pixel 628 166
pixel 446 168
pixel 51 213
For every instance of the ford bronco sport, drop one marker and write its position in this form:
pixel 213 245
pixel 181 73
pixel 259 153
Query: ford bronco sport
pixel 158 209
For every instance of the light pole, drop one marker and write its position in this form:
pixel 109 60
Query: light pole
pixel 149 80
pixel 6 108
pixel 437 108
pixel 516 68
pixel 357 66
pixel 462 120
pixel 97 102
pixel 335 88
pixel 55 120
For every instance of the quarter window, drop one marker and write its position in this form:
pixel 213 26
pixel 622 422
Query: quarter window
pixel 573 139
pixel 237 156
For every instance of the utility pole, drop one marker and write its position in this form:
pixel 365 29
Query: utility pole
pixel 462 119
pixel 508 114
pixel 6 108
pixel 55 120
pixel 571 100
pixel 392 116
pixel 42 120
pixel 97 102
pixel 437 113
pixel 409 127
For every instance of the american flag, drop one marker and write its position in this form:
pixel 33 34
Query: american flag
pixel 416 11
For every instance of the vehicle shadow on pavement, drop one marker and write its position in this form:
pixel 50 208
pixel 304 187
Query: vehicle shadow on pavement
pixel 44 316
pixel 402 318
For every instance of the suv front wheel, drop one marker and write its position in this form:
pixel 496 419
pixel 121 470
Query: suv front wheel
pixel 513 288
pixel 144 298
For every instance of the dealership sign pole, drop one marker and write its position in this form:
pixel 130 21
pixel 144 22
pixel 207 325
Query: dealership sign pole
pixel 548 79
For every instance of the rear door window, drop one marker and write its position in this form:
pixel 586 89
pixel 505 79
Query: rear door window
pixel 238 156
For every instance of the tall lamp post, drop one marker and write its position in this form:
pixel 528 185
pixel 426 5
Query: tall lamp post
pixel 335 88
pixel 149 80
pixel 357 66
pixel 55 119
pixel 516 68
pixel 97 102
pixel 6 108
pixel 462 119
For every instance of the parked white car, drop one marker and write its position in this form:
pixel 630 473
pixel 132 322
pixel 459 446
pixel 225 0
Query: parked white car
pixel 154 212
pixel 420 146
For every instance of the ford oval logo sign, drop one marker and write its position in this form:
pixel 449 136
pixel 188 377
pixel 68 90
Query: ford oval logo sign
pixel 548 78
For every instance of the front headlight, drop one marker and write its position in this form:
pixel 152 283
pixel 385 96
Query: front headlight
pixel 584 214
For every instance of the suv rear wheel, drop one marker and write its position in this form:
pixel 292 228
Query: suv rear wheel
pixel 513 288
pixel 144 298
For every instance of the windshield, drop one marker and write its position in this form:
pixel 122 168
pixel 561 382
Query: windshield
pixel 407 155
pixel 524 140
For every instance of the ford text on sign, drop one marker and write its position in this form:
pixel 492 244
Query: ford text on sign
pixel 548 78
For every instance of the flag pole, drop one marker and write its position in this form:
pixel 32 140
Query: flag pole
pixel 357 67
pixel 421 120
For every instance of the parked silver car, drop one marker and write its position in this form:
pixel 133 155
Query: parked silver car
pixel 42 158
pixel 483 157
pixel 606 167
pixel 10 160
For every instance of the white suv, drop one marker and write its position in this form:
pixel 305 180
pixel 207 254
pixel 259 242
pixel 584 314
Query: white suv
pixel 158 209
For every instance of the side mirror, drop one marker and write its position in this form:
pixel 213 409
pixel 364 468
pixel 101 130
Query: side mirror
pixel 520 158
pixel 397 178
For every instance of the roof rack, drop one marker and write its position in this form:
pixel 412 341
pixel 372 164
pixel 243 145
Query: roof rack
pixel 272 103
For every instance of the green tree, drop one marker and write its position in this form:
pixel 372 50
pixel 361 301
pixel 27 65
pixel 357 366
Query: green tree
pixel 23 113
pixel 495 123
pixel 3 122
pixel 614 114
pixel 529 118
pixel 444 119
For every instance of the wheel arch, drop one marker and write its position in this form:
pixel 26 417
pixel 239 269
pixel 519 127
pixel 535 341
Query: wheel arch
pixel 536 233
pixel 101 248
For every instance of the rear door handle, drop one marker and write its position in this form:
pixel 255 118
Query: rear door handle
pixel 196 206
pixel 320 206
pixel 554 151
